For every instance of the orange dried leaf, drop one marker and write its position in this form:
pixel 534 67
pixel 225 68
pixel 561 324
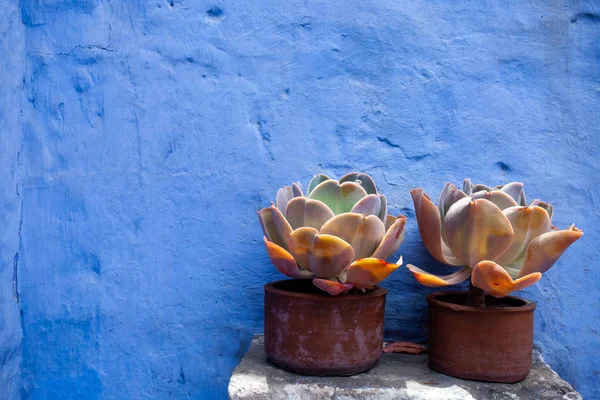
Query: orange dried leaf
pixel 404 347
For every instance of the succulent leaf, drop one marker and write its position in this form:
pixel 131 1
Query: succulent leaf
pixel 431 280
pixel 268 227
pixel 546 206
pixel 284 261
pixel 296 191
pixel 450 195
pixel 513 268
pixel 527 223
pixel 393 238
pixel 500 199
pixel 546 249
pixel 340 198
pixel 368 272
pixel 492 278
pixel 363 180
pixel 383 209
pixel 284 195
pixel 283 227
pixel 468 187
pixel 307 212
pixel 314 182
pixel 515 190
pixel 324 255
pixel 430 226
pixel 477 230
pixel 389 221
pixel 364 233
pixel 274 225
pixel 368 205
pixel 478 187
pixel 332 287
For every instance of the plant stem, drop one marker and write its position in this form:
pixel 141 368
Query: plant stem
pixel 475 296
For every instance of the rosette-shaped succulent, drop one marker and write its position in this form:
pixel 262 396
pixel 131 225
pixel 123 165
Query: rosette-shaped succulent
pixel 502 243
pixel 339 234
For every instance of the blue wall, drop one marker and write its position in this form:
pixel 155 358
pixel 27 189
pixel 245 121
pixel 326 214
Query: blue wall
pixel 11 131
pixel 140 137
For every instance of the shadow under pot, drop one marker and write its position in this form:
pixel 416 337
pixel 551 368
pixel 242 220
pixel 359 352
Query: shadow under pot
pixel 492 343
pixel 310 332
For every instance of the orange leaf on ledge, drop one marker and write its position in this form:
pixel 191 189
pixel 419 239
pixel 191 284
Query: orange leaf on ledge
pixel 404 347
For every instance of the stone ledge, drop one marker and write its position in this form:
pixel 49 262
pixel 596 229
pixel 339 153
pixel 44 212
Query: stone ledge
pixel 396 376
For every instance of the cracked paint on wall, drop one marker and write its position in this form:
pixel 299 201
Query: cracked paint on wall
pixel 143 136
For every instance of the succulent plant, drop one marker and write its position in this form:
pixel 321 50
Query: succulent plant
pixel 502 243
pixel 339 234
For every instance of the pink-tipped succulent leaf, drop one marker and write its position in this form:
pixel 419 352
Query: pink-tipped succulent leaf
pixel 393 238
pixel 331 286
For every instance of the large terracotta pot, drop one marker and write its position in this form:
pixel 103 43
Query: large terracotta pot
pixel 313 333
pixel 492 344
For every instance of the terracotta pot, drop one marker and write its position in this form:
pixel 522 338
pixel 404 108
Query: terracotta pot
pixel 492 344
pixel 313 333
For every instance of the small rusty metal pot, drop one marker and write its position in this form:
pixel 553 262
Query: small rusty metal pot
pixel 492 344
pixel 313 333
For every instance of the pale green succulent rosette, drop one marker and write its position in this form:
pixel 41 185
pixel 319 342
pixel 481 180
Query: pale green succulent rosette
pixel 498 240
pixel 339 234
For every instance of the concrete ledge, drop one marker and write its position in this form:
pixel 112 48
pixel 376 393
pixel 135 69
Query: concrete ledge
pixel 397 377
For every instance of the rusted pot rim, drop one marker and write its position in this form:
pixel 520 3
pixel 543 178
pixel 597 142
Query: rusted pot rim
pixel 432 299
pixel 270 288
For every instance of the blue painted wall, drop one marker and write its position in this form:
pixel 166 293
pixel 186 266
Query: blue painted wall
pixel 140 137
pixel 11 88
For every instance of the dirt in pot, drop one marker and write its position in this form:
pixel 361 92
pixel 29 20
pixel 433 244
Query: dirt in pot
pixel 306 286
pixel 299 286
pixel 490 301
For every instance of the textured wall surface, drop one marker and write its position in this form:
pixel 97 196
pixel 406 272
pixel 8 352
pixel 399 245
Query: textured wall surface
pixel 142 136
pixel 11 88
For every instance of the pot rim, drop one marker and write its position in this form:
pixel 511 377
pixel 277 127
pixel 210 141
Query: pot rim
pixel 270 288
pixel 433 301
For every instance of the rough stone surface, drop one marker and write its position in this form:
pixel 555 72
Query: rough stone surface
pixel 396 377
pixel 138 139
